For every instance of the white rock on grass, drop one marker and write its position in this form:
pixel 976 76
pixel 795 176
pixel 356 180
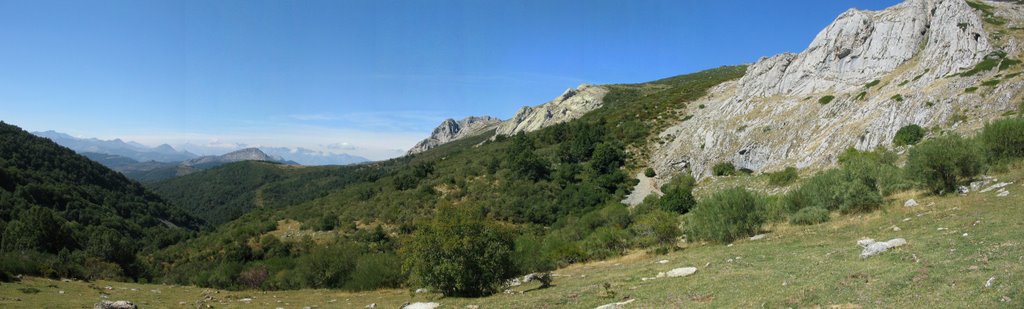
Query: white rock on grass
pixel 1003 194
pixel 872 248
pixel 988 284
pixel 681 272
pixel 430 305
pixel 615 305
pixel 996 186
pixel 910 203
pixel 759 237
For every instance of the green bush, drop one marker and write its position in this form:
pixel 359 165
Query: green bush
pixel 826 99
pixel 649 172
pixel 872 83
pixel 656 228
pixel 908 135
pixel 724 169
pixel 606 242
pixel 859 197
pixel 1003 139
pixel 940 164
pixel 809 215
pixel 678 196
pixel 897 98
pixel 460 253
pixel 823 190
pixel 376 271
pixel 726 216
pixel 784 177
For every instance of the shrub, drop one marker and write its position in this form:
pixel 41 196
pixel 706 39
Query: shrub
pixel 970 89
pixel 809 215
pixel 826 99
pixel 376 271
pixel 1003 139
pixel 908 135
pixel 897 98
pixel 784 177
pixel 823 190
pixel 606 242
pixel 460 253
pixel 649 172
pixel 678 196
pixel 254 277
pixel 724 169
pixel 727 215
pixel 940 164
pixel 656 228
pixel 872 83
pixel 859 197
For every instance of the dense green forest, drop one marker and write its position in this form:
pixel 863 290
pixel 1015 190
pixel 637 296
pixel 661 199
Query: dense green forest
pixel 64 215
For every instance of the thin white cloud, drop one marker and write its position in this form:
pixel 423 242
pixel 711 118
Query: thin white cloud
pixel 396 121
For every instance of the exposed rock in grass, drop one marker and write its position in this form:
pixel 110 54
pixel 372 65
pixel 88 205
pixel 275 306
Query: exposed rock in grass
pixel 910 203
pixel 681 272
pixel 996 186
pixel 615 305
pixel 121 304
pixel 430 305
pixel 872 248
pixel 759 237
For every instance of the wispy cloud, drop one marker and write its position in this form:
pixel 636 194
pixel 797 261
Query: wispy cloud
pixel 395 121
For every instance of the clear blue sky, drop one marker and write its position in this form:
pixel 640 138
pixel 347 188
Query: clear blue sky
pixel 377 75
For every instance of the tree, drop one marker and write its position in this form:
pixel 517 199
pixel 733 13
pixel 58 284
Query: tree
pixel 908 135
pixel 1003 139
pixel 678 195
pixel 940 164
pixel 460 253
pixel 607 158
pixel 656 228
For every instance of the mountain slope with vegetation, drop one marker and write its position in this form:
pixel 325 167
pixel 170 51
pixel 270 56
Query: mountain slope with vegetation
pixel 64 215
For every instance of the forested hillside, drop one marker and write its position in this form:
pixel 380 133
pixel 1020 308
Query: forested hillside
pixel 64 215
pixel 557 190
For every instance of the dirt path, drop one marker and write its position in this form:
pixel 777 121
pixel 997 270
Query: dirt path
pixel 646 186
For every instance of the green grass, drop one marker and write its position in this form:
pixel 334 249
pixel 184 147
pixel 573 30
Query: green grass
pixel 897 98
pixel 991 82
pixel 860 96
pixel 826 99
pixel 970 89
pixel 872 83
pixel 795 266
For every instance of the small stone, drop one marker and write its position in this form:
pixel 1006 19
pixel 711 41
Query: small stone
pixel 910 203
pixel 965 235
pixel 1003 194
pixel 60 292
pixel 422 290
pixel 729 245
pixel 1005 299
pixel 896 229
pixel 663 262
pixel 472 307
pixel 430 305
pixel 988 284
pixel 614 305
pixel 759 237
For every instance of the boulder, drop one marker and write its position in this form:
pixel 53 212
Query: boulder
pixel 872 248
pixel 430 305
pixel 910 203
pixel 681 272
pixel 121 304
pixel 759 237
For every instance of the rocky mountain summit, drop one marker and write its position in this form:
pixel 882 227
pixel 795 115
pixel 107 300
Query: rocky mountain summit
pixel 572 104
pixel 451 130
pixel 946 65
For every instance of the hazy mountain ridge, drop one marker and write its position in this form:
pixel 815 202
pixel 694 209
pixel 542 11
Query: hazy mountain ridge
pixel 131 150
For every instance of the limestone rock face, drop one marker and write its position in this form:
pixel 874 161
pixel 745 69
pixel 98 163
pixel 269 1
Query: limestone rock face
pixel 860 46
pixel 572 104
pixel 772 118
pixel 451 130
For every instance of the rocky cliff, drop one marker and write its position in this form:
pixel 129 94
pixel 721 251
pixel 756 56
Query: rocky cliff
pixel 572 104
pixel 947 65
pixel 451 130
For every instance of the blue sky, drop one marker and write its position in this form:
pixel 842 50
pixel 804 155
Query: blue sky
pixel 374 76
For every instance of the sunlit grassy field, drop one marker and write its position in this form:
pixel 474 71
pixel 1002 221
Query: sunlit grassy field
pixel 955 245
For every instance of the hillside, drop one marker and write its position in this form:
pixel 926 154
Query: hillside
pixel 65 215
pixel 955 246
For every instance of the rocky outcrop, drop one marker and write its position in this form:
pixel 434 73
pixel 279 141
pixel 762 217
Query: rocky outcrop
pixel 572 104
pixel 881 70
pixel 860 46
pixel 451 130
